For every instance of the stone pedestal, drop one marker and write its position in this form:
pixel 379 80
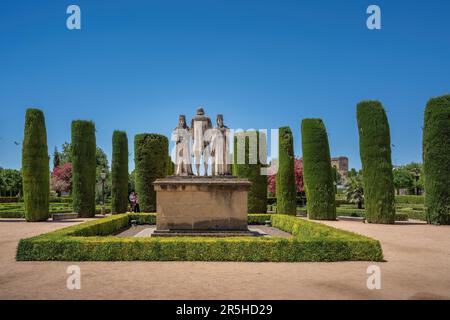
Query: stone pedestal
pixel 198 204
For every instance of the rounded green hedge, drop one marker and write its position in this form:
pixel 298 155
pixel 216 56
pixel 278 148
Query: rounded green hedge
pixel 317 171
pixel 375 152
pixel 83 150
pixel 436 159
pixel 150 158
pixel 257 195
pixel 286 189
pixel 119 172
pixel 35 167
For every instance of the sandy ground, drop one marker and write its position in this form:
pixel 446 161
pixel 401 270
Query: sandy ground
pixel 417 267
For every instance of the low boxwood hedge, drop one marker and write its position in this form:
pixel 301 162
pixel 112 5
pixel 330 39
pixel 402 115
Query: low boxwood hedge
pixel 258 218
pixel 410 199
pixel 94 241
pixel 400 215
pixel 9 199
pixel 413 213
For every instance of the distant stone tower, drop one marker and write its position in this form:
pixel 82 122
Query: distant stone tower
pixel 341 165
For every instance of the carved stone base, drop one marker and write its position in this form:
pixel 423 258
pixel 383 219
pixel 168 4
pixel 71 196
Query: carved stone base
pixel 201 203
pixel 205 233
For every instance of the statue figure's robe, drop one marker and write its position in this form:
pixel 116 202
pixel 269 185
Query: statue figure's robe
pixel 199 127
pixel 182 138
pixel 220 150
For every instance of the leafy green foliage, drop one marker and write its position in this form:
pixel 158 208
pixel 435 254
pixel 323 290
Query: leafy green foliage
pixel 83 149
pixel 92 241
pixel 403 179
pixel 317 171
pixel 119 203
pixel 35 167
pixel 375 152
pixel 10 182
pixel 286 189
pixel 150 158
pixel 416 170
pixel 354 190
pixel 436 159
pixel 257 195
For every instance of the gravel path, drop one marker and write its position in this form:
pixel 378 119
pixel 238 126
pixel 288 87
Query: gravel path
pixel 417 267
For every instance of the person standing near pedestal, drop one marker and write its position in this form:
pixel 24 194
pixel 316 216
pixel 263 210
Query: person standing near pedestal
pixel 200 125
pixel 182 137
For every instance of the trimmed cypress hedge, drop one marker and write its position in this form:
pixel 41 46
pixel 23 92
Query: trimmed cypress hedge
pixel 35 167
pixel 92 241
pixel 150 158
pixel 317 171
pixel 119 172
pixel 170 166
pixel 286 190
pixel 375 152
pixel 83 150
pixel 257 195
pixel 436 159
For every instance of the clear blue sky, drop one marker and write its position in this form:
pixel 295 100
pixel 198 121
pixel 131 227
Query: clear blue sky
pixel 136 65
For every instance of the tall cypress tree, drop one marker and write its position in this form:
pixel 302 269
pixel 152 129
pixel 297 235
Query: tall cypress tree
pixel 375 151
pixel 251 169
pixel 317 171
pixel 436 159
pixel 83 150
pixel 151 160
pixel 35 167
pixel 119 172
pixel 286 189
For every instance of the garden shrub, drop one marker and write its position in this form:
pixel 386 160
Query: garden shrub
pixel 350 212
pixel 35 167
pixel 436 159
pixel 119 172
pixel 9 199
pixel 271 200
pixel 9 215
pixel 258 218
pixel 375 151
pixel 341 202
pixel 91 241
pixel 286 189
pixel 401 216
pixel 257 195
pixel 150 158
pixel 414 213
pixel 61 200
pixel 83 149
pixel 410 199
pixel 317 172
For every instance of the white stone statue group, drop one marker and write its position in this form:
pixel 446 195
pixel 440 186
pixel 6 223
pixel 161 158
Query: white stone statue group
pixel 206 142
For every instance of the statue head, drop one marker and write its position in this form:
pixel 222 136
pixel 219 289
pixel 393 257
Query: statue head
pixel 220 120
pixel 182 120
pixel 200 111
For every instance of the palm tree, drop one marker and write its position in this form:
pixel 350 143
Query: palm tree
pixel 354 190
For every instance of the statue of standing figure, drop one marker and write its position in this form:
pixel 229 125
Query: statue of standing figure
pixel 220 148
pixel 207 142
pixel 182 137
pixel 200 128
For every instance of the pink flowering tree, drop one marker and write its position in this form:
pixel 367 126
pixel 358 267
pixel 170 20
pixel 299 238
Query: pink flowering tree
pixel 271 179
pixel 61 180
